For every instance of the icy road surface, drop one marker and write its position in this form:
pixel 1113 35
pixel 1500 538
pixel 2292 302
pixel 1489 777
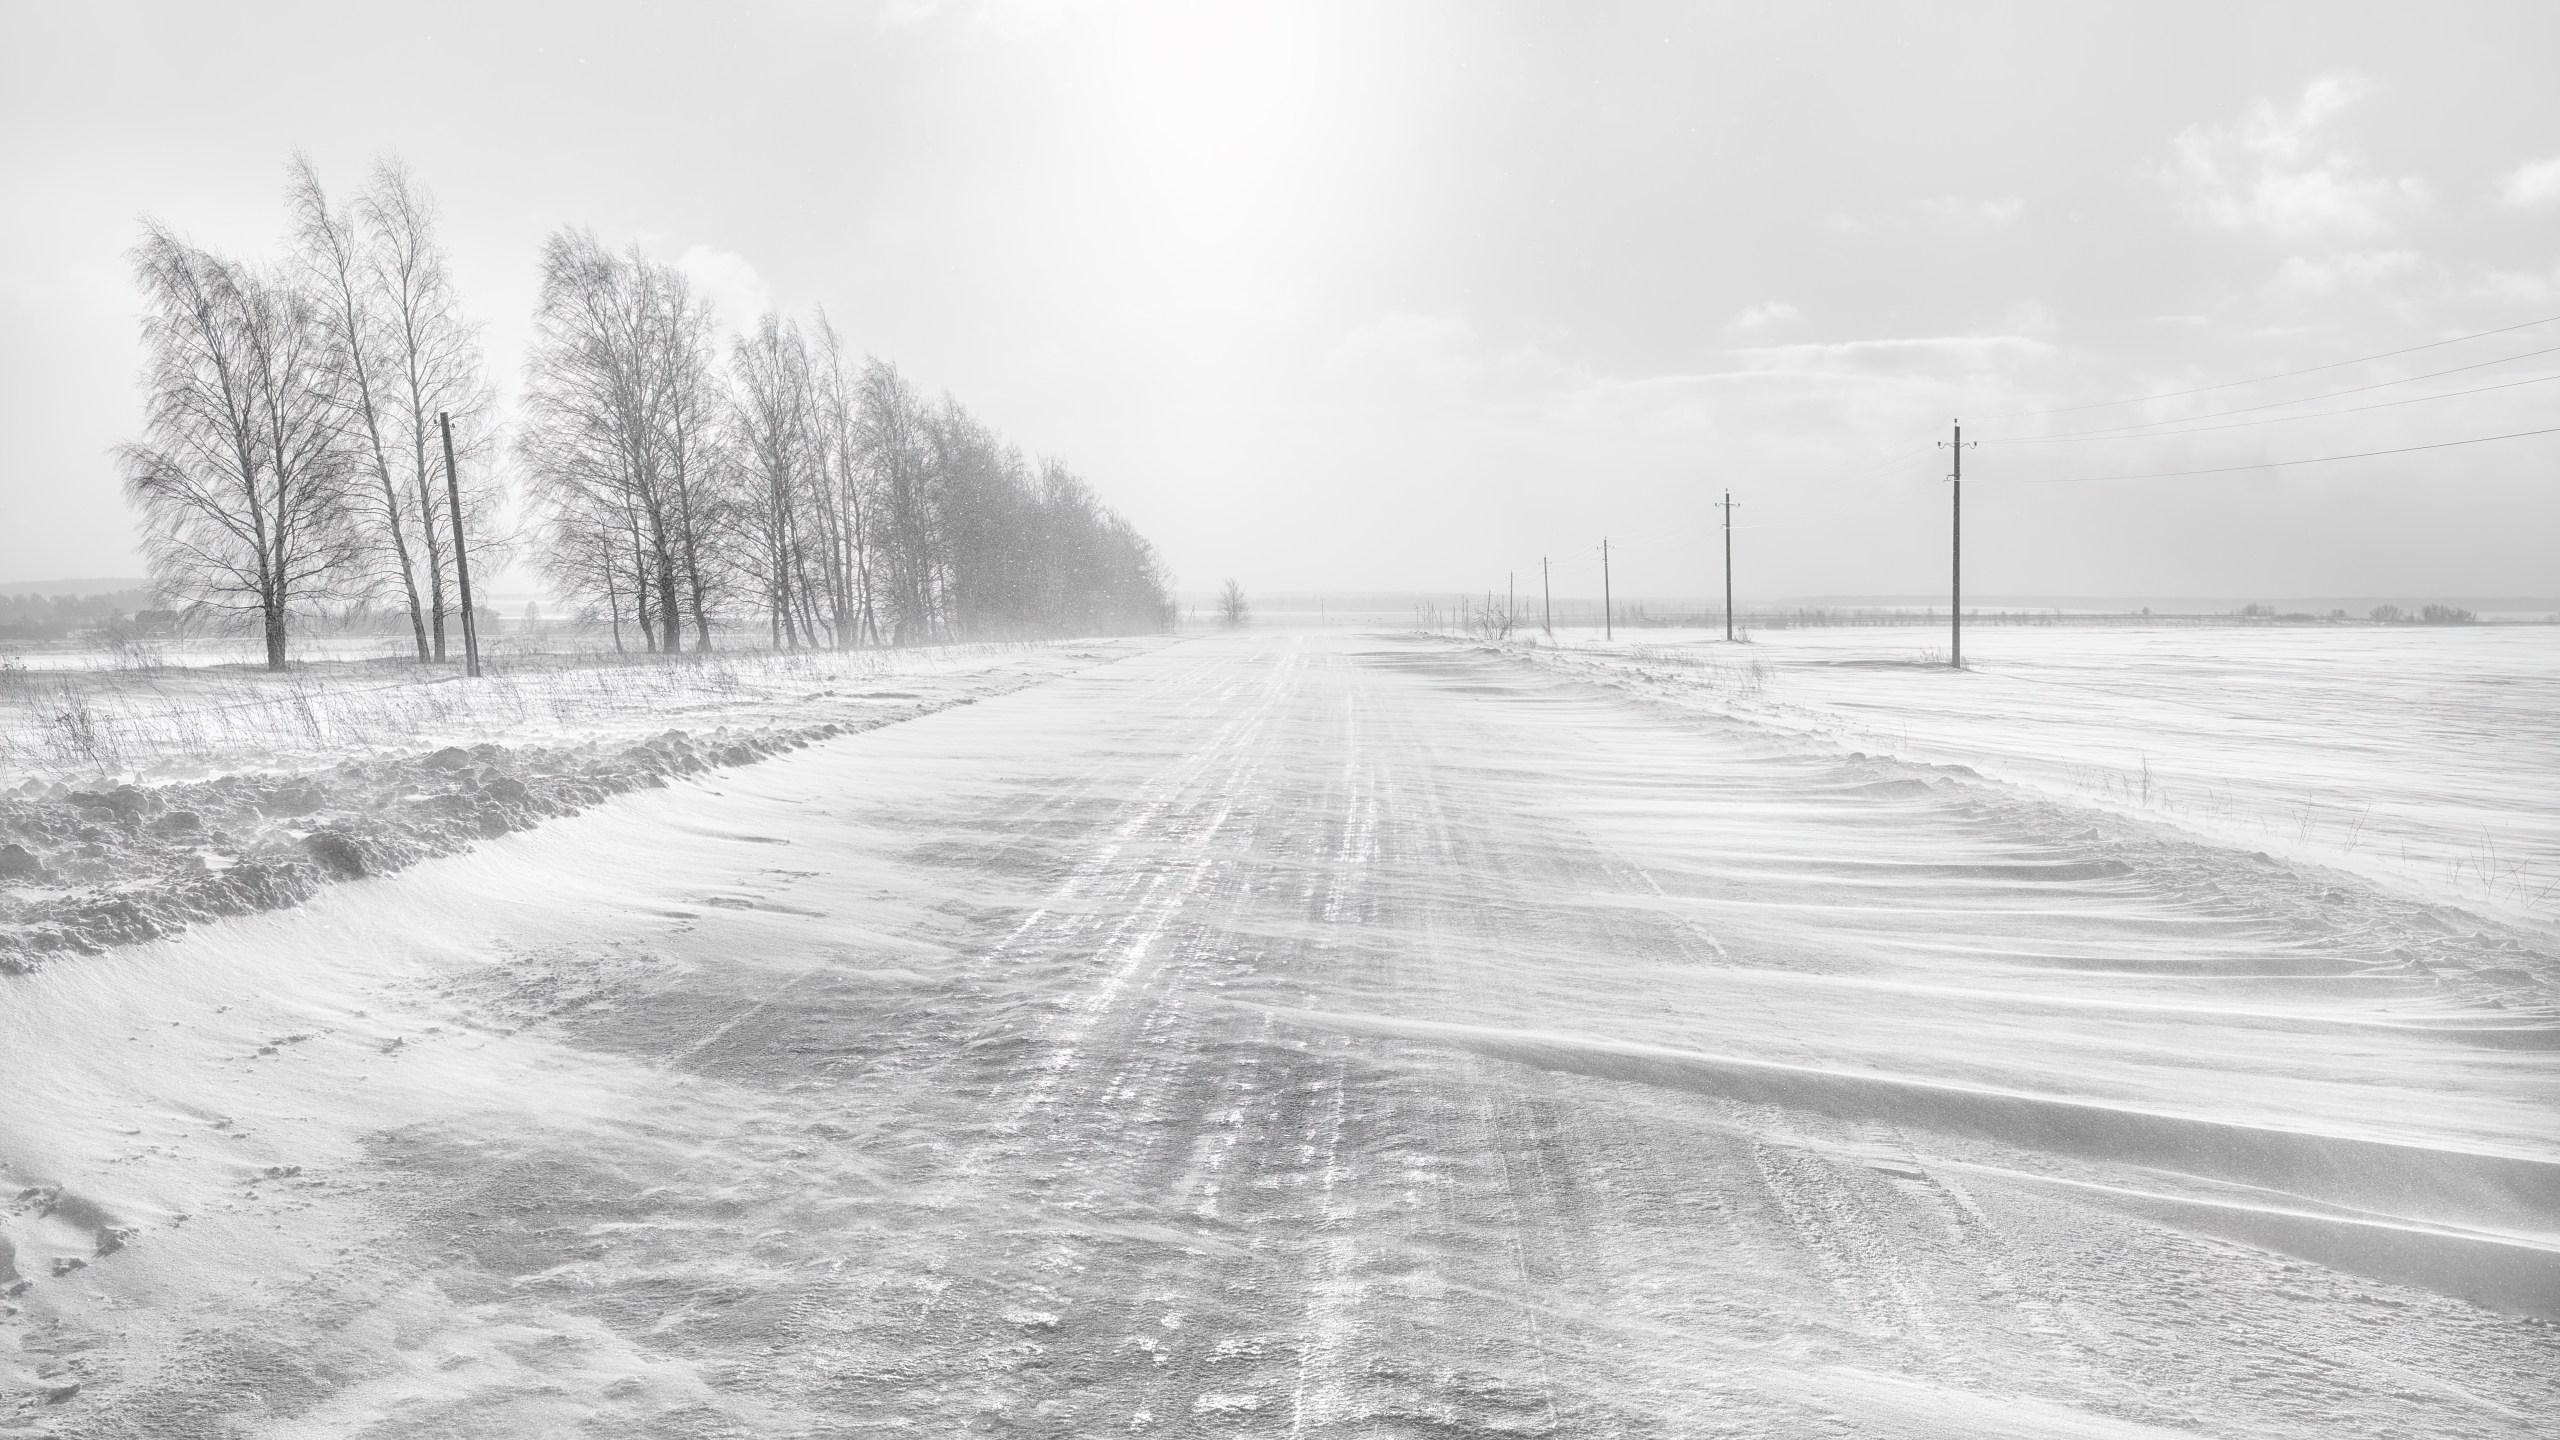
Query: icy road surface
pixel 1318 1035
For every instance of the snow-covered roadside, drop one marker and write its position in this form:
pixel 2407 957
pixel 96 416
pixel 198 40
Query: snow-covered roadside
pixel 2425 760
pixel 121 859
pixel 138 724
pixel 1294 1032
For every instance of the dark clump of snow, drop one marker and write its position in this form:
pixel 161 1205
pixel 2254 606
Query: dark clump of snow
pixel 81 870
pixel 335 852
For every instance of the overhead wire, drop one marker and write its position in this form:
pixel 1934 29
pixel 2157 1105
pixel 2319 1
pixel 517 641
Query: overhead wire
pixel 2090 436
pixel 2117 431
pixel 1649 539
pixel 2268 464
pixel 2282 375
pixel 1590 556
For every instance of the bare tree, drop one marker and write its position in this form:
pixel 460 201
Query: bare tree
pixel 429 366
pixel 1231 604
pixel 891 426
pixel 243 476
pixel 689 358
pixel 621 438
pixel 828 498
pixel 341 278
pixel 843 497
pixel 777 440
pixel 581 445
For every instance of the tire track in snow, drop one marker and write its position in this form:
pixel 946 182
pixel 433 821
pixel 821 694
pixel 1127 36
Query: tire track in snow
pixel 1088 1091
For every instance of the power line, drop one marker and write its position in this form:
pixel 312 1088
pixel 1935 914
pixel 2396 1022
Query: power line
pixel 2279 464
pixel 1687 534
pixel 2276 419
pixel 2285 375
pixel 2119 432
pixel 1890 497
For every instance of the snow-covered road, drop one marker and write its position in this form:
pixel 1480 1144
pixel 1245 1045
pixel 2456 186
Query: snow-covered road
pixel 1298 1034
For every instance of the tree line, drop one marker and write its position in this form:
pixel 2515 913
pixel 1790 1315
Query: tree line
pixel 56 617
pixel 673 483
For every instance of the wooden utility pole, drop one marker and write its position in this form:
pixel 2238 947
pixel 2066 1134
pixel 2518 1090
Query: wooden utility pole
pixel 1727 507
pixel 1955 612
pixel 461 564
pixel 1608 607
pixel 1547 597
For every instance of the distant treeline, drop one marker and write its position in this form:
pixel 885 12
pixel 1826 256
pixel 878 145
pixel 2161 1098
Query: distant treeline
pixel 34 618
pixel 788 481
pixel 1656 615
pixel 319 434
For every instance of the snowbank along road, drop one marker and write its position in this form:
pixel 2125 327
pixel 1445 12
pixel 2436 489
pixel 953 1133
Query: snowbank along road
pixel 1311 1035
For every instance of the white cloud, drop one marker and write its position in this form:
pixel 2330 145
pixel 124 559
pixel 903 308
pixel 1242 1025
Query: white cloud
pixel 2030 317
pixel 1413 359
pixel 2343 270
pixel 2532 185
pixel 1762 316
pixel 2513 287
pixel 1941 211
pixel 1432 371
pixel 1435 352
pixel 737 293
pixel 2271 173
pixel 1952 210
pixel 1011 19
pixel 1929 355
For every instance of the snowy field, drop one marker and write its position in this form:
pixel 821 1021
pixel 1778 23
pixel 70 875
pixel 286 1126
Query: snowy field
pixel 2426 758
pixel 83 717
pixel 1346 1034
pixel 136 802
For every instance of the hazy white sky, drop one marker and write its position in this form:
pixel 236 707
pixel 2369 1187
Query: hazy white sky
pixel 1407 295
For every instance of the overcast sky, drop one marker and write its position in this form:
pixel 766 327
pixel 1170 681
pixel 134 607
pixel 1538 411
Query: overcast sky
pixel 1395 296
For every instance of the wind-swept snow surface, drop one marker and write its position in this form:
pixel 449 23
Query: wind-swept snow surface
pixel 1325 1035
pixel 2424 757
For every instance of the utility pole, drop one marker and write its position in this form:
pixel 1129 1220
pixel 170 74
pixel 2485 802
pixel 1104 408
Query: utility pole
pixel 1727 507
pixel 1547 597
pixel 1955 611
pixel 461 565
pixel 1608 607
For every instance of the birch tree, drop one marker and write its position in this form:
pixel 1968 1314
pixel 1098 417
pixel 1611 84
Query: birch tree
pixel 621 408
pixel 243 474
pixel 890 432
pixel 822 496
pixel 775 434
pixel 340 275
pixel 685 363
pixel 842 508
pixel 429 367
